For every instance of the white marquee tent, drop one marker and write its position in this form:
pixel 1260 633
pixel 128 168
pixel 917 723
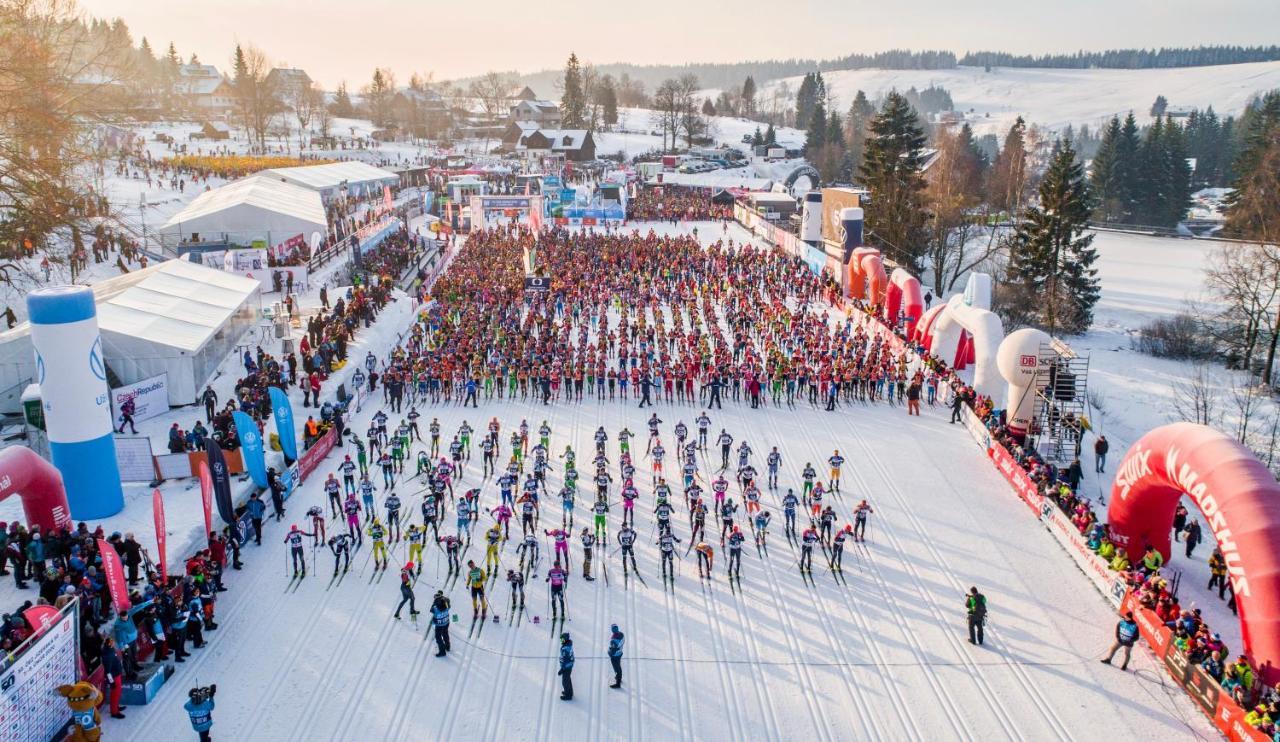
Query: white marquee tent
pixel 328 179
pixel 253 208
pixel 175 318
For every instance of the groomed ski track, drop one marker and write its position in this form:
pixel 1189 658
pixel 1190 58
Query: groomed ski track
pixel 884 657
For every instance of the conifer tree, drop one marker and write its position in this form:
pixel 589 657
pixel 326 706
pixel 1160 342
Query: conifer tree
pixel 891 169
pixel 573 103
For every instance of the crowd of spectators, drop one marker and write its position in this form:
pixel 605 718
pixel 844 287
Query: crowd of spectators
pixel 676 203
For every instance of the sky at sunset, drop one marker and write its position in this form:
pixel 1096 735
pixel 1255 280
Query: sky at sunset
pixel 346 40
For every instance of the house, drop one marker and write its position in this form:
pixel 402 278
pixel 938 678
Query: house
pixel 542 112
pixel 577 145
pixel 288 83
pixel 421 113
pixel 526 94
pixel 203 89
pixel 215 130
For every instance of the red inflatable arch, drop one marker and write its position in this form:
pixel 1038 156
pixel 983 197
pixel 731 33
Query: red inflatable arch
pixel 38 483
pixel 1239 499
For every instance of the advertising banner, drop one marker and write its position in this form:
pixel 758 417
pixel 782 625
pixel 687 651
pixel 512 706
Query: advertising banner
pixel 250 263
pixel 206 496
pixel 834 200
pixel 1018 478
pixel 157 513
pixel 221 479
pixel 1094 567
pixel 150 398
pixel 29 707
pixel 114 574
pixel 312 457
pixel 251 451
pixel 282 411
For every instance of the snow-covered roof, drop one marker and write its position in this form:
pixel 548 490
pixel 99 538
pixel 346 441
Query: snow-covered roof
pixel 332 175
pixel 176 303
pixel 255 192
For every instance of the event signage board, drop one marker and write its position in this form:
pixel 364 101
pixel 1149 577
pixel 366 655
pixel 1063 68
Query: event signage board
pixel 150 398
pixel 536 284
pixel 312 457
pixel 29 707
pixel 250 263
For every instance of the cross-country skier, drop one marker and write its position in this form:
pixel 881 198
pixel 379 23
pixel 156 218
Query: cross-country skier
pixel 452 546
pixel 366 496
pixel 826 522
pixel 557 578
pixel 835 462
pixel 725 442
pixel 726 518
pixel 340 545
pixel 807 540
pixel 704 423
pixel 415 536
pixel 493 539
pixel 588 542
pixel 560 538
pixel 475 583
pixel 429 513
pixel 837 547
pixel 773 462
pixel 333 489
pixel 762 529
pixel 440 621
pixel 705 556
pixel 735 552
pixel 392 504
pixel 378 535
pixel 316 513
pixel 809 474
pixel 789 504
pixel 860 514
pixel 294 539
pixel 627 540
pixel 528 550
pixel 601 512
pixel 666 546
pixel 516 580
pixel 406 591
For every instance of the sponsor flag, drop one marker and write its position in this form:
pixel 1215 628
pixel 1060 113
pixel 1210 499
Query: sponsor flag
pixel 282 409
pixel 221 482
pixel 114 574
pixel 251 447
pixel 206 496
pixel 157 512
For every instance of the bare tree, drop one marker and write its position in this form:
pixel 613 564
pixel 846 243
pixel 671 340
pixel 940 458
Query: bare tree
pixel 306 102
pixel 691 120
pixel 257 97
pixel 493 90
pixel 323 115
pixel 1195 399
pixel 667 109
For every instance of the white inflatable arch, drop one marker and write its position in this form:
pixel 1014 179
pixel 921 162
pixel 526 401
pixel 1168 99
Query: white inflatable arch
pixel 970 313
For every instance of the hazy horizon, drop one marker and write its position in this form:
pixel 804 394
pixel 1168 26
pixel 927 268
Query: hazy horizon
pixel 332 42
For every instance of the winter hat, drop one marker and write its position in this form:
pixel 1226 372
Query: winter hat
pixel 614 628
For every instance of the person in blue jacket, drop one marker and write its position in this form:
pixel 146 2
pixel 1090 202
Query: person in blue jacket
pixel 256 508
pixel 200 709
pixel 566 667
pixel 616 640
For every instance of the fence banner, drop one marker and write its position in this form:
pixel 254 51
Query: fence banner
pixel 29 706
pixel 150 398
pixel 114 575
pixel 1017 477
pixel 282 410
pixel 206 497
pixel 157 513
pixel 312 457
pixel 1094 567
pixel 251 452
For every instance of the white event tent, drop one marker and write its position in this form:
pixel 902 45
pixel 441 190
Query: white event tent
pixel 329 179
pixel 175 318
pixel 249 209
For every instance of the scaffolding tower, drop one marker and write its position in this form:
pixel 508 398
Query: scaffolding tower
pixel 1062 402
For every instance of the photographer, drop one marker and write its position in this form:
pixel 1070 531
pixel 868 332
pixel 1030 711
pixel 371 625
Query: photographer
pixel 200 709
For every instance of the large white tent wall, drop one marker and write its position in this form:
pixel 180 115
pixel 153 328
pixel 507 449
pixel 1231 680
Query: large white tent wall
pixel 329 179
pixel 175 318
pixel 249 209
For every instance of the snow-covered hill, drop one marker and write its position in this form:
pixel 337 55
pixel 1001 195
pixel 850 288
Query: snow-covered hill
pixel 1056 97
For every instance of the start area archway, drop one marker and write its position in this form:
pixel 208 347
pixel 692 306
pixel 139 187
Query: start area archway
pixel 1240 501
pixel 525 207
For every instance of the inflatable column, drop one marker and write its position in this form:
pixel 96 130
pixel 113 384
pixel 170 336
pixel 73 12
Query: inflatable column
pixel 73 389
pixel 1019 361
pixel 811 218
pixel 851 224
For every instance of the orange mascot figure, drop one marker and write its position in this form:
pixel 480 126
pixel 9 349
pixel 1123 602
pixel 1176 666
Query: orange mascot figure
pixel 84 699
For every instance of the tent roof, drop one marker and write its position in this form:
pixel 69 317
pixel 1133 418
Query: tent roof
pixel 258 192
pixel 176 303
pixel 331 175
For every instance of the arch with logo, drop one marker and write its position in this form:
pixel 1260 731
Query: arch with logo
pixel 804 171
pixel 1240 501
pixel 38 484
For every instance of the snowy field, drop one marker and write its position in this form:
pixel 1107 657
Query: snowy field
pixel 1053 98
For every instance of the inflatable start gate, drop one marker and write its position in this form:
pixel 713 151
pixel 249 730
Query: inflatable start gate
pixel 1239 499
pixel 38 484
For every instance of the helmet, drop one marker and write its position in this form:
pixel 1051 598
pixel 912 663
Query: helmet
pixel 613 628
pixel 409 565
pixel 564 637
